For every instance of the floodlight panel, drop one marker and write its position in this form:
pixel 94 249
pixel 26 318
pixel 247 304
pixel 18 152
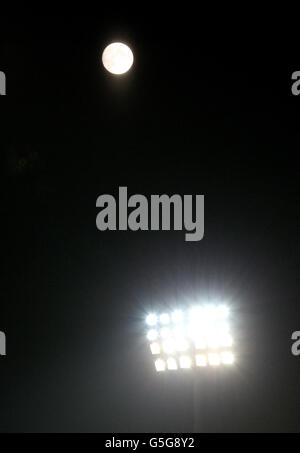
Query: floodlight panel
pixel 214 359
pixel 185 362
pixel 160 365
pixel 169 346
pixel 179 332
pixel 222 326
pixel 200 342
pixel 223 311
pixel 152 335
pixel 182 344
pixel 213 341
pixel 201 360
pixel 151 319
pixel 155 348
pixel 227 341
pixel 177 316
pixel 172 363
pixel 195 314
pixel 164 318
pixel 227 357
pixel 199 336
pixel 165 333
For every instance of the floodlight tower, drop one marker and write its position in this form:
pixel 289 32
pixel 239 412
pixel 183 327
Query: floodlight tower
pixel 190 340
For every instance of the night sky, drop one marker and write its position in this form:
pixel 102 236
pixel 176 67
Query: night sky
pixel 200 112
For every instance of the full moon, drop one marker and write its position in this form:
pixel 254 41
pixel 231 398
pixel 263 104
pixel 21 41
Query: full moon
pixel 117 58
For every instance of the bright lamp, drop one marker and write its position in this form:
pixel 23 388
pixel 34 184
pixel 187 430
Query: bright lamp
pixel 199 337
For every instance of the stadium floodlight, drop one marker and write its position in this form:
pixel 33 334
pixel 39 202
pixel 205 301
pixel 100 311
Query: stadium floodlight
pixel 213 341
pixel 214 358
pixel 177 316
pixel 181 344
pixel 185 361
pixel 178 333
pixel 227 357
pixel 172 363
pixel 227 341
pixel 201 360
pixel 200 342
pixel 160 365
pixel 223 311
pixel 151 320
pixel 152 335
pixel 165 333
pixel 198 337
pixel 169 346
pixel 155 348
pixel 164 318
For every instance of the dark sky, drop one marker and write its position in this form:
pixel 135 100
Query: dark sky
pixel 201 112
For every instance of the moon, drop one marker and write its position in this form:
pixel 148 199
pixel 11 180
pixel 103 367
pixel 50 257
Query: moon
pixel 117 58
